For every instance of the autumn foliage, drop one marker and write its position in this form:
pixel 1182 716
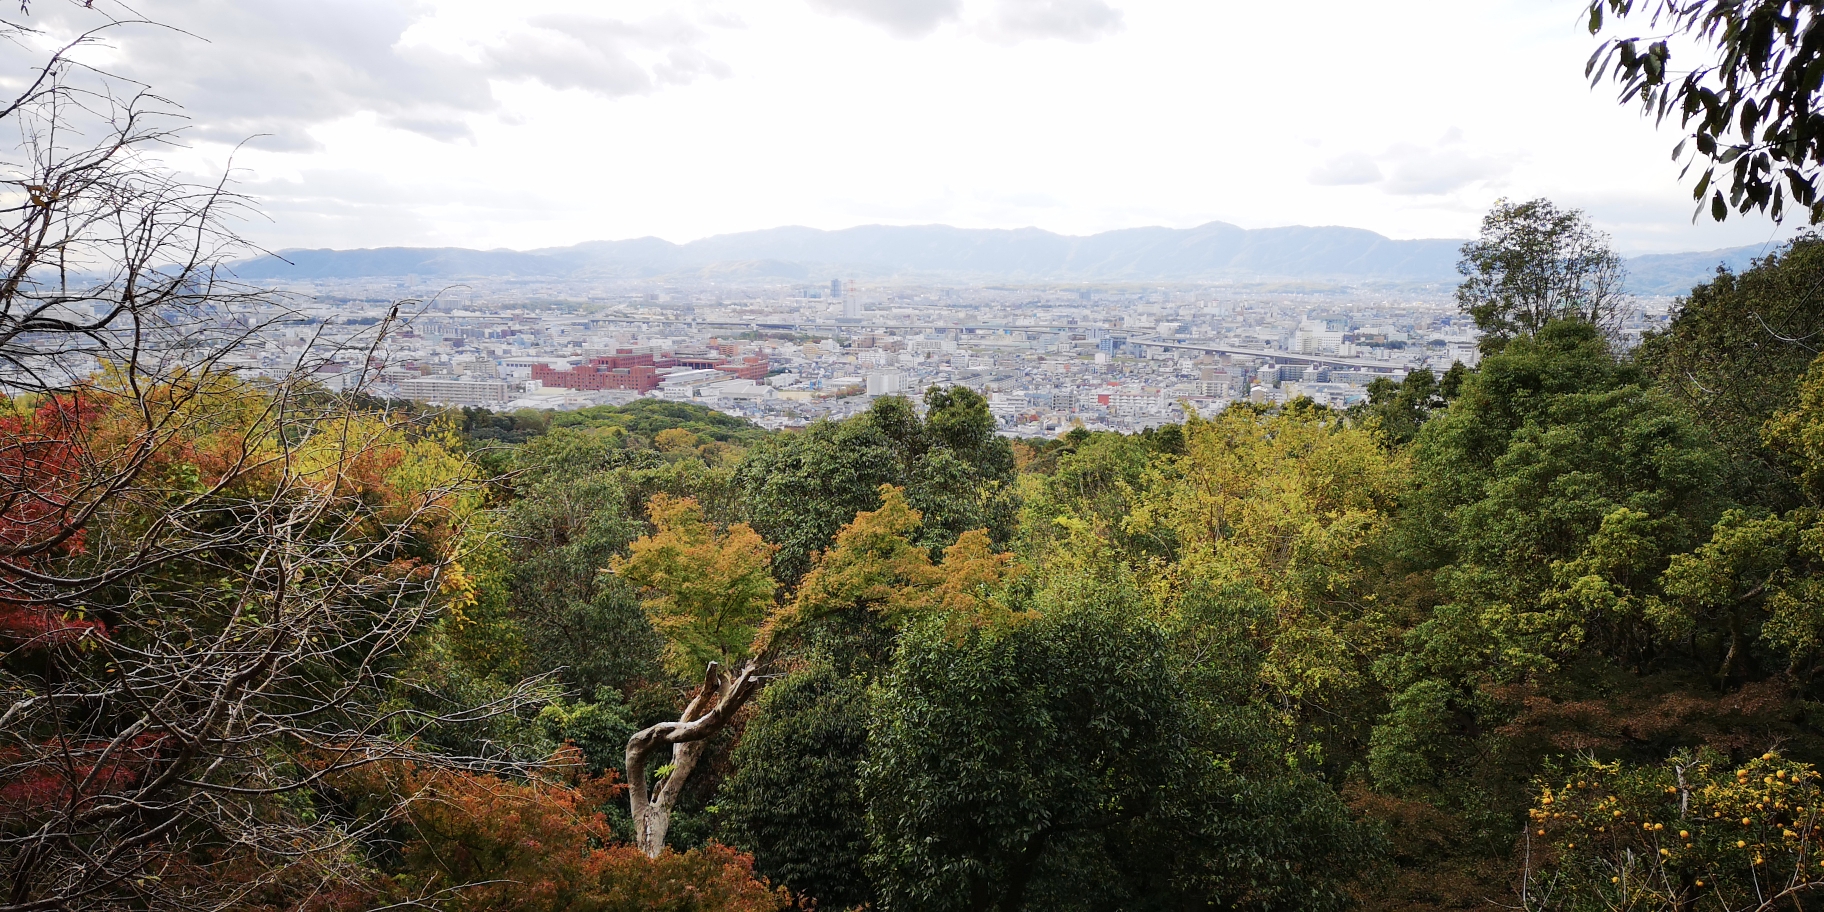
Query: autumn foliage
pixel 711 589
pixel 874 565
pixel 480 843
pixel 41 456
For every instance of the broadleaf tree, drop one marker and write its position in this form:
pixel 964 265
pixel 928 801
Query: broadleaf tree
pixel 1534 263
pixel 1748 102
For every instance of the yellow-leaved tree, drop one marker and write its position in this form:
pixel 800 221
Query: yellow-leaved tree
pixel 708 589
pixel 709 592
pixel 1283 506
pixel 875 566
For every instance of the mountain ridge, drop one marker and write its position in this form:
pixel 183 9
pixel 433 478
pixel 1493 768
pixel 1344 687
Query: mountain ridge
pixel 1216 251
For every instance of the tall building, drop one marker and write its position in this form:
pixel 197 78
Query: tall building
pixel 835 288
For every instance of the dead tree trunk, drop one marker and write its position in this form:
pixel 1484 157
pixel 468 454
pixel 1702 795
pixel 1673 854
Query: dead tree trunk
pixel 714 704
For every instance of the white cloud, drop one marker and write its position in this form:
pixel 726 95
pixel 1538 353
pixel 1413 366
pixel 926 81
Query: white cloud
pixel 1418 171
pixel 1344 170
pixel 1405 169
pixel 1000 21
pixel 610 57
pixel 900 18
pixel 1070 20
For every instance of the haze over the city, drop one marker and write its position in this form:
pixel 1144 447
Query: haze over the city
pixel 543 123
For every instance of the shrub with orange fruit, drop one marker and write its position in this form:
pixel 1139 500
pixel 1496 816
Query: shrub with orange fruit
pixel 1695 829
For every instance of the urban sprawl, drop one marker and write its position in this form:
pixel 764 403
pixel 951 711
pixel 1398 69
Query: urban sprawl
pixel 1047 359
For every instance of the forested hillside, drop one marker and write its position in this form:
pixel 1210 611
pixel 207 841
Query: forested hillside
pixel 1487 633
pixel 1542 634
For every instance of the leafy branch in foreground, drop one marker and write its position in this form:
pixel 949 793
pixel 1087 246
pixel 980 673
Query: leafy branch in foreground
pixel 1750 108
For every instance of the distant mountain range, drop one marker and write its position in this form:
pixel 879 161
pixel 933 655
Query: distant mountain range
pixel 1213 252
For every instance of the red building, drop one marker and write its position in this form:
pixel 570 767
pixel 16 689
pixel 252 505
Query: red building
pixel 639 373
pixel 752 367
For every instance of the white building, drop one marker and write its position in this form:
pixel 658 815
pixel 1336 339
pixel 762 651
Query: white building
pixel 452 391
pixel 520 368
pixel 690 379
pixel 1314 338
pixel 1134 403
pixel 738 390
pixel 885 383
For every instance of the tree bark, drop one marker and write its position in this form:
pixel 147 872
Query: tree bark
pixel 714 704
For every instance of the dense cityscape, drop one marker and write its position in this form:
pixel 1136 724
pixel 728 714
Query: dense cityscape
pixel 1047 358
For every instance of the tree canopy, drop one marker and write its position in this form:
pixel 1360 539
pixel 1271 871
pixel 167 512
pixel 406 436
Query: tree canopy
pixel 1534 263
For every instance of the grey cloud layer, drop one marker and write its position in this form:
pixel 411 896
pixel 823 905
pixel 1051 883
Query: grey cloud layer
pixel 606 55
pixel 1006 21
pixel 276 67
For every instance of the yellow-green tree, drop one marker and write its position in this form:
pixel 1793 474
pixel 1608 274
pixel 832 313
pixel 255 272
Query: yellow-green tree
pixel 1690 833
pixel 708 589
pixel 1286 505
pixel 875 566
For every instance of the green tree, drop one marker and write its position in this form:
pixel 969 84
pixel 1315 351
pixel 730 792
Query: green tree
pixel 1535 263
pixel 794 799
pixel 1095 484
pixel 1399 409
pixel 957 419
pixel 1053 766
pixel 1734 354
pixel 566 525
pixel 801 488
pixel 1551 497
pixel 1007 808
pixel 1749 100
pixel 1749 596
pixel 1558 488
pixel 599 728
pixel 646 419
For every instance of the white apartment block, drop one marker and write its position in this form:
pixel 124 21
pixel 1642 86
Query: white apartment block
pixel 451 391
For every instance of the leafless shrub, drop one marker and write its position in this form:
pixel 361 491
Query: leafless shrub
pixel 205 580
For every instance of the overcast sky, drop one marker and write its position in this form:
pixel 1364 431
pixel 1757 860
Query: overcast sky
pixel 548 122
